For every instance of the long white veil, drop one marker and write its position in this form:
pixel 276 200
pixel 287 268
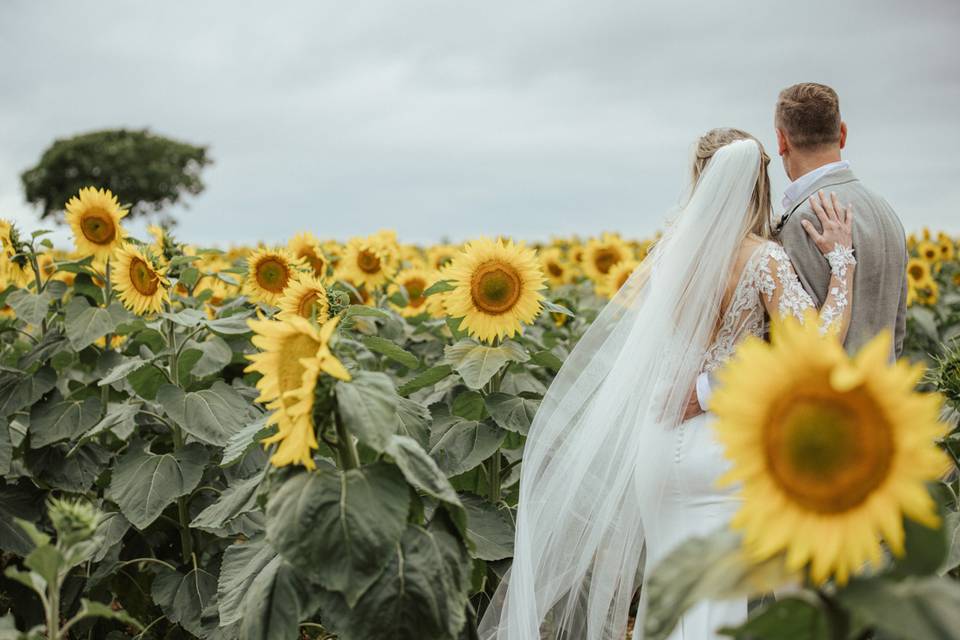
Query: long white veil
pixel 580 535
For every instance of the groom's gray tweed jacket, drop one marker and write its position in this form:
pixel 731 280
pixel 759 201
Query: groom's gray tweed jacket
pixel 880 281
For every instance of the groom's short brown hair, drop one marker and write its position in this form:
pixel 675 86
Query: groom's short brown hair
pixel 809 113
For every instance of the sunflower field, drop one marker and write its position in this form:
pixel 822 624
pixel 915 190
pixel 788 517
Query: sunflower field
pixel 324 439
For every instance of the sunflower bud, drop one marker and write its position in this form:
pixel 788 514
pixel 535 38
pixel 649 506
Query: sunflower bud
pixel 75 520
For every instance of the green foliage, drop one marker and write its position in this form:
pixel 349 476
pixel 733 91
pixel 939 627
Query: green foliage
pixel 146 170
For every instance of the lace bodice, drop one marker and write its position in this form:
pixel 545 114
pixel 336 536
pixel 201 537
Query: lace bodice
pixel 769 281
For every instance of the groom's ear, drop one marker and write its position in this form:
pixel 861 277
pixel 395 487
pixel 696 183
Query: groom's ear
pixel 843 134
pixel 783 144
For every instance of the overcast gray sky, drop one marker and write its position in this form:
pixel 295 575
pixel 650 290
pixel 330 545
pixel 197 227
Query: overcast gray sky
pixel 446 118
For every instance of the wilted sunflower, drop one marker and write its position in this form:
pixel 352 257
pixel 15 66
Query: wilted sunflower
pixel 294 352
pixel 306 247
pixel 602 254
pixel 269 273
pixel 306 297
pixel 367 262
pixel 832 451
pixel 497 288
pixel 15 268
pixel 140 283
pixel 414 282
pixel 94 216
pixel 555 266
pixel 618 275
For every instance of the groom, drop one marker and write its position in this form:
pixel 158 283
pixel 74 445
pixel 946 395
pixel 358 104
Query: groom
pixel 810 136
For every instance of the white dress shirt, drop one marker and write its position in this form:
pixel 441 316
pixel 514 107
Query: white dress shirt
pixel 790 199
pixel 799 186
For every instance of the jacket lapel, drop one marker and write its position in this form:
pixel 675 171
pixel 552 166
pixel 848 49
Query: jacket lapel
pixel 832 179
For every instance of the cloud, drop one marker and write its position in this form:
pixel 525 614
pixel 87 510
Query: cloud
pixel 448 119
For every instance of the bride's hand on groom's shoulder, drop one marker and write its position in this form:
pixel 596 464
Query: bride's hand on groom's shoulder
pixel 836 223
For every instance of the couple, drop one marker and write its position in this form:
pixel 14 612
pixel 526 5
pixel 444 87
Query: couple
pixel 620 463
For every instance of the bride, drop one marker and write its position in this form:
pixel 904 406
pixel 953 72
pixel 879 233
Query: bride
pixel 612 478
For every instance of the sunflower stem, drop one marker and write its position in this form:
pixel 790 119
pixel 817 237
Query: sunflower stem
pixel 186 539
pixel 346 447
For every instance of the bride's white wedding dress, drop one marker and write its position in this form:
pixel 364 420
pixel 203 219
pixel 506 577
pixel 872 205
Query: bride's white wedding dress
pixel 606 471
pixel 691 504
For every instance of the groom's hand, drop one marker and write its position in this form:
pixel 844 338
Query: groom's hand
pixel 692 408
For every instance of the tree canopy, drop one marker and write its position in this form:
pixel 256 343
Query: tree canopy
pixel 147 171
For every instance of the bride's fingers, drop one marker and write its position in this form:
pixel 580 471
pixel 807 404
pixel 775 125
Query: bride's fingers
pixel 837 207
pixel 811 231
pixel 827 205
pixel 848 217
pixel 818 209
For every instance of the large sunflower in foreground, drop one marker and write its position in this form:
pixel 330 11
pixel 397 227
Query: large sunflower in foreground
pixel 601 254
pixel 140 283
pixel 294 352
pixel 269 273
pixel 94 216
pixel 831 451
pixel 497 288
pixel 306 247
pixel 306 297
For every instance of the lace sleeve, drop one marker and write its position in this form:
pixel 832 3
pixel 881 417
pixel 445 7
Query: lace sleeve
pixel 784 295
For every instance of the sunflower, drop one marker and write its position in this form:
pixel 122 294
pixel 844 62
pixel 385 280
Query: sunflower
pixel 602 254
pixel 414 282
pixel 220 290
pixel 947 249
pixel 365 261
pixel 497 288
pixel 918 271
pixel 925 293
pixel 94 216
pixel 929 251
pixel 140 283
pixel 306 297
pixel 831 451
pixel 306 247
pixel 269 273
pixel 293 354
pixel 618 275
pixel 15 268
pixel 555 266
pixel 439 256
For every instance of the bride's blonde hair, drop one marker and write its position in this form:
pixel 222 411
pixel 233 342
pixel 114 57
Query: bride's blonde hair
pixel 760 205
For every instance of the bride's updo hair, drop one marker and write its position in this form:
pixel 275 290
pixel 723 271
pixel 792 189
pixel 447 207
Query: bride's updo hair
pixel 760 206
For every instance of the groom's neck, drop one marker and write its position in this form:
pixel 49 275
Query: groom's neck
pixel 802 163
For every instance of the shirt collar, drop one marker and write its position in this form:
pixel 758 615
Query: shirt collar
pixel 797 188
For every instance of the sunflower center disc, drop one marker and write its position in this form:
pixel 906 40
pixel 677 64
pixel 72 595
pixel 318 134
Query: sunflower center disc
pixel 307 305
pixel 272 275
pixel 916 272
pixel 97 227
pixel 368 261
pixel 827 453
pixel 317 263
pixel 604 260
pixel 143 278
pixel 555 270
pixel 415 288
pixel 495 288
